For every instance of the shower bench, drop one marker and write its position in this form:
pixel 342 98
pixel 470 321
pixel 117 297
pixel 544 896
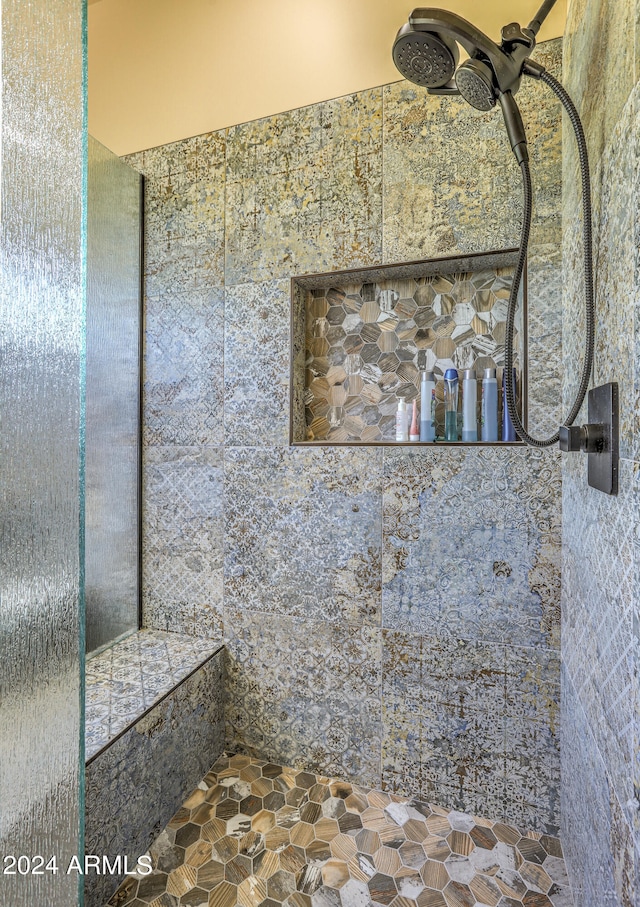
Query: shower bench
pixel 154 726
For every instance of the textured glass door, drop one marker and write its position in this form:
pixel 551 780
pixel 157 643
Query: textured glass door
pixel 42 246
pixel 113 397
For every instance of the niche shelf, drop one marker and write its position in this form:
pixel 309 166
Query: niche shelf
pixel 361 337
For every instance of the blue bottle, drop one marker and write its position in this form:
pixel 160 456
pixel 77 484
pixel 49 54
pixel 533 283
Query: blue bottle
pixel 451 405
pixel 489 407
pixel 508 431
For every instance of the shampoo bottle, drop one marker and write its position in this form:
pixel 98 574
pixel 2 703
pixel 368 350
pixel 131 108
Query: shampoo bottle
pixel 428 407
pixel 451 405
pixel 402 427
pixel 489 406
pixel 469 405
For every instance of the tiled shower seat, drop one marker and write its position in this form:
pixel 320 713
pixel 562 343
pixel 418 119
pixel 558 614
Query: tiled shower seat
pixel 256 834
pixel 154 725
pixel 127 679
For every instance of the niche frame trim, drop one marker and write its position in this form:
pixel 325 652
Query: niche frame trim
pixel 448 264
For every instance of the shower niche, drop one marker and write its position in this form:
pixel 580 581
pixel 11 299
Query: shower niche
pixel 361 338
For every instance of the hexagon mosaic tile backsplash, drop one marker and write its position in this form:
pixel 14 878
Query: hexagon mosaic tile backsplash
pixel 257 834
pixel 366 344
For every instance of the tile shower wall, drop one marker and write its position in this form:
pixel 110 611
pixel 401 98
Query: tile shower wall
pixel 363 594
pixel 601 558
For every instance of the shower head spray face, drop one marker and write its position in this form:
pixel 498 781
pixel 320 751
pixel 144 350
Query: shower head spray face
pixel 426 58
pixel 474 81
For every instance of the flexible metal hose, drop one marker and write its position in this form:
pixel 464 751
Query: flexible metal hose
pixel 588 275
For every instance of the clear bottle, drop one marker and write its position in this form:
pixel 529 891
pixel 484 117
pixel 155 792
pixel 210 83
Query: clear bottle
pixel 428 407
pixel 451 405
pixel 402 422
pixel 469 405
pixel 489 406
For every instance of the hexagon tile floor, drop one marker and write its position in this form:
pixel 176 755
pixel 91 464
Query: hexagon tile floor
pixel 259 835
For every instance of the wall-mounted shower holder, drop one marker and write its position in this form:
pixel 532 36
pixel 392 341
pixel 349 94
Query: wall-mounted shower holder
pixel 599 438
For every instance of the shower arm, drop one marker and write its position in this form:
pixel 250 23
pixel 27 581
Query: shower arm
pixel 541 15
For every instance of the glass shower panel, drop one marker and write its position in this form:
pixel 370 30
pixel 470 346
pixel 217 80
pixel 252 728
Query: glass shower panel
pixel 42 247
pixel 113 397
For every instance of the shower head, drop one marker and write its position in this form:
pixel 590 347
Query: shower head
pixel 474 81
pixel 424 57
pixel 426 52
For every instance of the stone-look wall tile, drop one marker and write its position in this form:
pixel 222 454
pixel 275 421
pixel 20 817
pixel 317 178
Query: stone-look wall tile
pixel 182 529
pixel 256 412
pixel 135 160
pixel 194 155
pixel 436 202
pixel 598 573
pixel 636 664
pixel 256 356
pixel 544 374
pixel 599 69
pixel 597 840
pixel 183 402
pixel 178 264
pixel 615 269
pixel 532 771
pixel 295 207
pixel 168 160
pixel 212 150
pixel 600 679
pixel 471 726
pixel 303 533
pixel 444 732
pixel 636 301
pixel 307 136
pixel 135 785
pixel 185 231
pixel 472 544
pixel 573 315
pixel 305 691
pixel 542 114
pixel 451 182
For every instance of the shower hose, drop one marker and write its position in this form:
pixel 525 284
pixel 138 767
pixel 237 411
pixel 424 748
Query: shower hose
pixel 588 275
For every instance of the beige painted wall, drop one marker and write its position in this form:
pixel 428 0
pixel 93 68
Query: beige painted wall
pixel 163 70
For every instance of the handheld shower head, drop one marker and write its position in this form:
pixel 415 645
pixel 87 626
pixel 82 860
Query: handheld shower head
pixel 474 81
pixel 424 57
